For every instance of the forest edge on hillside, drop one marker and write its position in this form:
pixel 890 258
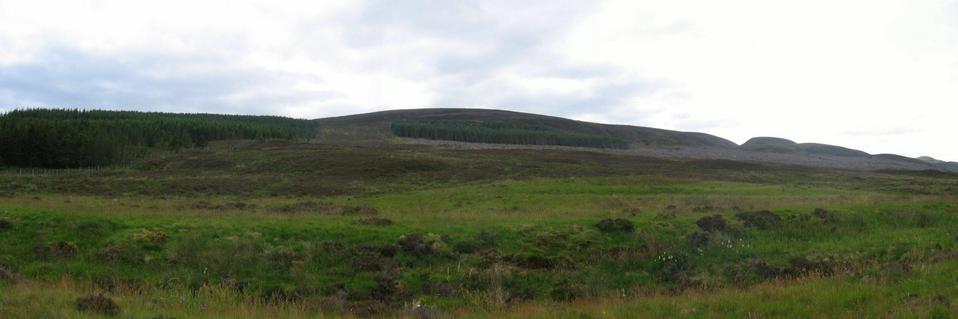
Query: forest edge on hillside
pixel 62 138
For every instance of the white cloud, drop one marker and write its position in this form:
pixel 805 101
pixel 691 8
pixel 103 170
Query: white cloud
pixel 877 75
pixel 807 70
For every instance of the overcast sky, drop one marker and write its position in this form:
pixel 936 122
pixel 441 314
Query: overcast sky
pixel 877 75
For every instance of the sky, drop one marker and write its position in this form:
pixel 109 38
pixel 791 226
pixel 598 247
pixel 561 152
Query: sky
pixel 876 75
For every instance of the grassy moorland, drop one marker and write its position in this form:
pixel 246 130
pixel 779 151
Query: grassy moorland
pixel 305 230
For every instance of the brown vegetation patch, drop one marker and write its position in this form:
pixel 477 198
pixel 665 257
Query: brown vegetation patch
pixel 698 239
pixel 203 204
pixel 616 225
pixel 367 308
pixel 358 210
pixel 537 261
pixel 566 290
pixel 98 304
pixel 714 223
pixel 753 271
pixel 823 214
pixel 421 311
pixel 761 219
pixel 375 221
pixel 417 243
pixel 704 208
pixel 7 276
pixel 61 249
pixel 803 266
pixel 308 206
pixel 632 211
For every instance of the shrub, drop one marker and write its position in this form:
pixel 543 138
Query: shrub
pixel 358 210
pixel 486 238
pixel 482 241
pixel 703 208
pixel 698 239
pixel 7 276
pixel 616 225
pixel 375 221
pixel 574 238
pixel 823 214
pixel 5 225
pixel 284 257
pixel 203 204
pixel 924 219
pixel 417 243
pixel 387 251
pixel 421 311
pixel 308 206
pixel 632 211
pixel 334 303
pixel 61 249
pixel 761 219
pixel 712 223
pixel 803 266
pixel 367 263
pixel 387 288
pixel 752 271
pixel 536 261
pixel 669 267
pixel 665 215
pixel 151 236
pixel 566 290
pixel 439 288
pixel 288 294
pixel 98 304
pixel 466 247
pixel 367 308
pixel 120 252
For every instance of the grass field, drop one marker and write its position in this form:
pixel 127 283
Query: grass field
pixel 299 230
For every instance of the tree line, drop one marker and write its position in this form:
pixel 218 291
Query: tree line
pixel 501 132
pixel 63 138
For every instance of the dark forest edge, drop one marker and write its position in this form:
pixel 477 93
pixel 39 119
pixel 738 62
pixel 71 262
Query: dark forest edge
pixel 69 138
pixel 503 132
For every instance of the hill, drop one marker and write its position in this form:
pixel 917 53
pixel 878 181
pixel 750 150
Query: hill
pixel 74 138
pixel 948 166
pixel 781 145
pixel 381 124
pixel 365 224
pixel 482 128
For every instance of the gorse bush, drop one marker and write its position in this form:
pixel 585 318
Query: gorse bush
pixel 502 132
pixel 77 138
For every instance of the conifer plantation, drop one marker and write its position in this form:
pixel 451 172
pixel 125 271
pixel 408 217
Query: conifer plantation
pixel 61 138
pixel 503 132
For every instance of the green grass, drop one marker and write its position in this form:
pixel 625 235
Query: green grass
pixel 518 239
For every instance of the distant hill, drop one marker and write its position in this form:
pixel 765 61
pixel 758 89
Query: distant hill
pixel 73 138
pixel 781 145
pixel 498 128
pixel 382 123
pixel 948 166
